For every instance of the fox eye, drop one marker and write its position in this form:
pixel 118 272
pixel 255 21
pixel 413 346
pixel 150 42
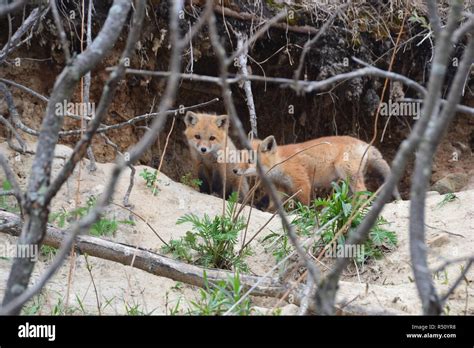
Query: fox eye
pixel 197 136
pixel 211 138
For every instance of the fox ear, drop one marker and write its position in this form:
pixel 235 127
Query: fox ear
pixel 190 119
pixel 222 120
pixel 268 144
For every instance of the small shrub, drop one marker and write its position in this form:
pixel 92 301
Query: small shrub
pixel 217 298
pixel 151 180
pixel 338 208
pixel 8 203
pixel 211 242
pixel 449 197
pixel 103 227
pixel 188 180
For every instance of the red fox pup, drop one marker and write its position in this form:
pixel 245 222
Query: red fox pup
pixel 315 164
pixel 206 135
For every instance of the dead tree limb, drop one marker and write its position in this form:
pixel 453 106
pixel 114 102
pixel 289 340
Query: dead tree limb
pixel 327 288
pixel 306 86
pixel 247 86
pixel 162 266
pixel 12 7
pixel 432 305
pixel 61 32
pixel 11 177
pixel 14 41
pixel 19 139
pixel 87 86
pixel 148 261
pixel 83 225
pixel 268 185
pixel 35 206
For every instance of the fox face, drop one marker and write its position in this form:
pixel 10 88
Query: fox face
pixel 206 133
pixel 267 155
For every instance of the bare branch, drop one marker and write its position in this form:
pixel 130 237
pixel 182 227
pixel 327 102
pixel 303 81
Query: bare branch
pixel 36 208
pixel 456 283
pixel 221 55
pixel 327 288
pixel 144 117
pixel 17 136
pixel 434 18
pixel 459 107
pixel 420 180
pixel 307 86
pixel 104 102
pixel 11 177
pixel 247 85
pixel 14 42
pixel 84 224
pixel 87 85
pixel 25 89
pixel 12 7
pixel 15 117
pixel 61 32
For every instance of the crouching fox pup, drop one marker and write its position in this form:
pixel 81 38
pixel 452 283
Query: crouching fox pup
pixel 207 140
pixel 315 164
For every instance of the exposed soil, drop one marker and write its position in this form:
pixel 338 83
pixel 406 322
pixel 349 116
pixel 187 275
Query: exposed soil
pixel 347 109
pixel 383 286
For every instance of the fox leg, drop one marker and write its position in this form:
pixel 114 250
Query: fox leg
pixel 203 174
pixel 303 185
pixel 244 187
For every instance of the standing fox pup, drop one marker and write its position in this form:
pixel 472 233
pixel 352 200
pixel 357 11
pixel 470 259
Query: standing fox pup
pixel 315 164
pixel 207 140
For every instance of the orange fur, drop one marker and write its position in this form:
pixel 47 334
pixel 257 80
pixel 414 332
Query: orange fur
pixel 315 164
pixel 206 135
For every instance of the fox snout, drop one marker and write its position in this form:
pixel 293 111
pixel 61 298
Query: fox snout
pixel 245 172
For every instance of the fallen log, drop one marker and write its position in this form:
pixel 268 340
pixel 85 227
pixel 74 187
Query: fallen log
pixel 149 261
pixel 163 266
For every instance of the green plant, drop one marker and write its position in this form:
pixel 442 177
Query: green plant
pixel 59 308
pixel 8 203
pixel 48 251
pixel 415 18
pixel 33 307
pixel 136 309
pixel 335 211
pixel 449 197
pixel 188 180
pixel 343 207
pixel 175 310
pixel 151 180
pixel 217 298
pixel 103 227
pixel 278 244
pixel 211 242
